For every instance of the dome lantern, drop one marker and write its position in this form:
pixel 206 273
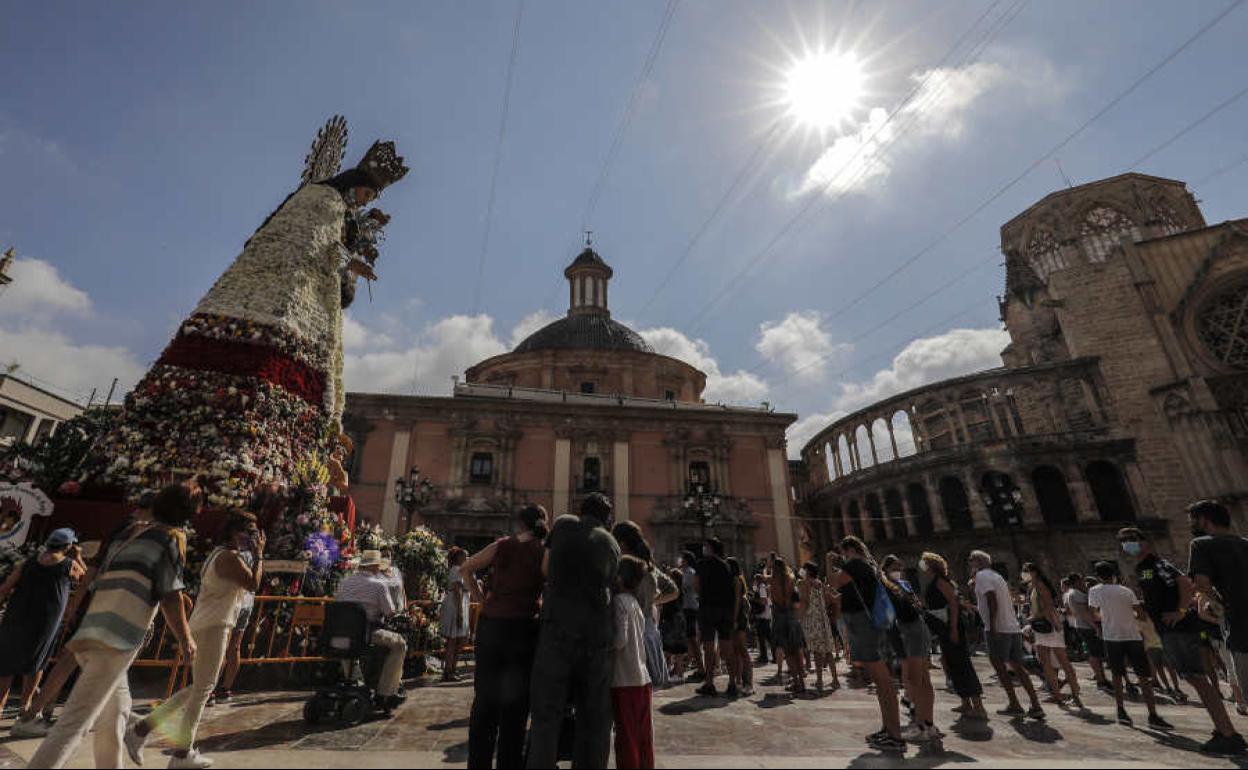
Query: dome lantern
pixel 588 276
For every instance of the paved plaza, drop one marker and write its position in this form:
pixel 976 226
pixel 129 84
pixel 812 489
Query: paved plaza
pixel 771 729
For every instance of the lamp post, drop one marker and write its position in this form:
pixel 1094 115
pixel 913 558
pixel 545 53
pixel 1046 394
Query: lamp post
pixel 704 504
pixel 411 492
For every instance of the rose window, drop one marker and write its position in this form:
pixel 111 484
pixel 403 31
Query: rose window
pixel 1222 327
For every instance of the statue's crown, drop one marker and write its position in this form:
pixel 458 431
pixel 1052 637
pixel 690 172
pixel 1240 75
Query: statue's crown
pixel 383 164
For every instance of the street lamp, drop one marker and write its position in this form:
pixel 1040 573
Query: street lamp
pixel 411 493
pixel 704 504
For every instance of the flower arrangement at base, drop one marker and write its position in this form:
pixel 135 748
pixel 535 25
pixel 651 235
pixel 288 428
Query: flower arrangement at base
pixel 421 555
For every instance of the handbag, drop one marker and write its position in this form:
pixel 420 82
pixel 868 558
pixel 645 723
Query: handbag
pixel 1042 626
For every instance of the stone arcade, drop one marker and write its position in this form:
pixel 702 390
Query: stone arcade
pixel 1123 396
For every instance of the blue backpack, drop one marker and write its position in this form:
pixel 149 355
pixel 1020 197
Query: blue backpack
pixel 883 616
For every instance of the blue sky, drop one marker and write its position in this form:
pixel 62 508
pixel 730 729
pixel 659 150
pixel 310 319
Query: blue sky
pixel 141 143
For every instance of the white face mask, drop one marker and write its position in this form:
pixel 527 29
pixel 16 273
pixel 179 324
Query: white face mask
pixel 894 576
pixel 801 573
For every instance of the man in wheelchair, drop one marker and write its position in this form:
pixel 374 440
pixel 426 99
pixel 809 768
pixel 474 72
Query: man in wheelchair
pixel 368 588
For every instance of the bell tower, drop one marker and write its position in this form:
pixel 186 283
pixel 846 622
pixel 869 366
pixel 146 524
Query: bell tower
pixel 588 276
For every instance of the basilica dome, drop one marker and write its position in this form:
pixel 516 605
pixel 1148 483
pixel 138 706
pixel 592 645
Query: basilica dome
pixel 589 352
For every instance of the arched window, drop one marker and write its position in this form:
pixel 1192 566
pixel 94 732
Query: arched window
pixel 1044 253
pixel 903 432
pixel 1109 489
pixel 875 513
pixel 896 513
pixel 1056 506
pixel 863 440
pixel 700 475
pixel 1003 499
pixel 1222 327
pixel 829 458
pixel 956 505
pixel 1101 229
pixel 847 464
pixel 920 511
pixel 883 444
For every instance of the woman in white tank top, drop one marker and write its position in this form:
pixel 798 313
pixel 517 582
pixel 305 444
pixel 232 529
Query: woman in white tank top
pixel 225 582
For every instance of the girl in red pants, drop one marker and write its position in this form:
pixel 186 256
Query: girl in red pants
pixel 630 681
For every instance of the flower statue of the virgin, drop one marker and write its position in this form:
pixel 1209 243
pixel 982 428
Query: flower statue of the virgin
pixel 251 384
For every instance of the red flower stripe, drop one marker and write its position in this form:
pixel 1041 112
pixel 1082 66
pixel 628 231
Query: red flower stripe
pixel 206 354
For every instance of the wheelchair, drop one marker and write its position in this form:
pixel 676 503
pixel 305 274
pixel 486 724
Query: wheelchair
pixel 349 692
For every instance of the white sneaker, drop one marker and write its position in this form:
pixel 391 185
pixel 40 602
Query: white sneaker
pixel 31 728
pixel 193 760
pixel 133 741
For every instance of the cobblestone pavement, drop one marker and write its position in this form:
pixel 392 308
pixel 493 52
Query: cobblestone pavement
pixel 771 729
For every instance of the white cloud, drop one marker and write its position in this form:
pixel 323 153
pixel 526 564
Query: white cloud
pixel 69 369
pixel 34 345
pixel 529 324
pixel 38 292
pixel 426 365
pixel 924 361
pixel 737 387
pixel 800 344
pixel 938 111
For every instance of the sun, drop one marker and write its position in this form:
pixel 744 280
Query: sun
pixel 824 89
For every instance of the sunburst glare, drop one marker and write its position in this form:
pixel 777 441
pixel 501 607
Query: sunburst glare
pixel 824 89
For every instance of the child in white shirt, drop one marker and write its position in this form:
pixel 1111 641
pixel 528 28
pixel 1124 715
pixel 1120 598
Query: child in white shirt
pixel 630 681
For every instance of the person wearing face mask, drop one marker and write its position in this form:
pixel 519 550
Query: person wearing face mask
pixel 816 627
pixel 1046 624
pixel 1219 562
pixel 943 615
pixel 912 642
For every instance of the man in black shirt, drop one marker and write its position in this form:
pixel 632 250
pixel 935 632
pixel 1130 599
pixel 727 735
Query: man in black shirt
pixel 573 660
pixel 1219 562
pixel 1168 601
pixel 716 599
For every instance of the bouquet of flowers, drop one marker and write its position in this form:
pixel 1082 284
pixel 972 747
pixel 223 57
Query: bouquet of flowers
pixel 371 537
pixel 421 555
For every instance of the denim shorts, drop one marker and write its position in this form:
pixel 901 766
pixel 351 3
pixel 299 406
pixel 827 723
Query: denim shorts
pixel 864 638
pixel 916 640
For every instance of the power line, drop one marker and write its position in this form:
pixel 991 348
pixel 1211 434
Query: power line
pixel 740 177
pixel 1217 172
pixel 1042 159
pixel 618 139
pixel 821 194
pixel 1190 127
pixel 498 154
pixel 1184 131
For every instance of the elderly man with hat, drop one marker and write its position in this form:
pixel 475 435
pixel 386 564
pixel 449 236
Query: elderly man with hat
pixel 369 588
pixel 37 590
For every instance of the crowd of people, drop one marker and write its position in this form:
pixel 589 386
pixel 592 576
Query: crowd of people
pixel 578 626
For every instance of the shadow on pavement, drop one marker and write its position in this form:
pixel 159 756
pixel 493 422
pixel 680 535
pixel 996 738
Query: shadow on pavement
pixel 693 705
pixel 972 730
pixel 928 756
pixel 1036 732
pixel 774 700
pixel 456 754
pixel 451 725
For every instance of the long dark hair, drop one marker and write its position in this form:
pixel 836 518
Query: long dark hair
pixel 533 517
pixel 1039 575
pixel 632 541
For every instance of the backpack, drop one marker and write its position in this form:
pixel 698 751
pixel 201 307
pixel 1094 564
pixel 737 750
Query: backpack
pixel 883 616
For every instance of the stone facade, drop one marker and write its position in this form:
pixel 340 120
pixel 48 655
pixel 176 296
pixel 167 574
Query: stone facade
pixel 582 406
pixel 1122 397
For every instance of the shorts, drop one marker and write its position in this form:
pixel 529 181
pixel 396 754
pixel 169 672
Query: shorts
pixel 691 623
pixel 1120 653
pixel 1005 648
pixel 715 622
pixel 1091 640
pixel 1157 656
pixel 1185 653
pixel 865 639
pixel 916 640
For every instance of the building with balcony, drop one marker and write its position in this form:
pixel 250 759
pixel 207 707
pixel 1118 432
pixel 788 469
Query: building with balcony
pixel 1122 397
pixel 582 405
